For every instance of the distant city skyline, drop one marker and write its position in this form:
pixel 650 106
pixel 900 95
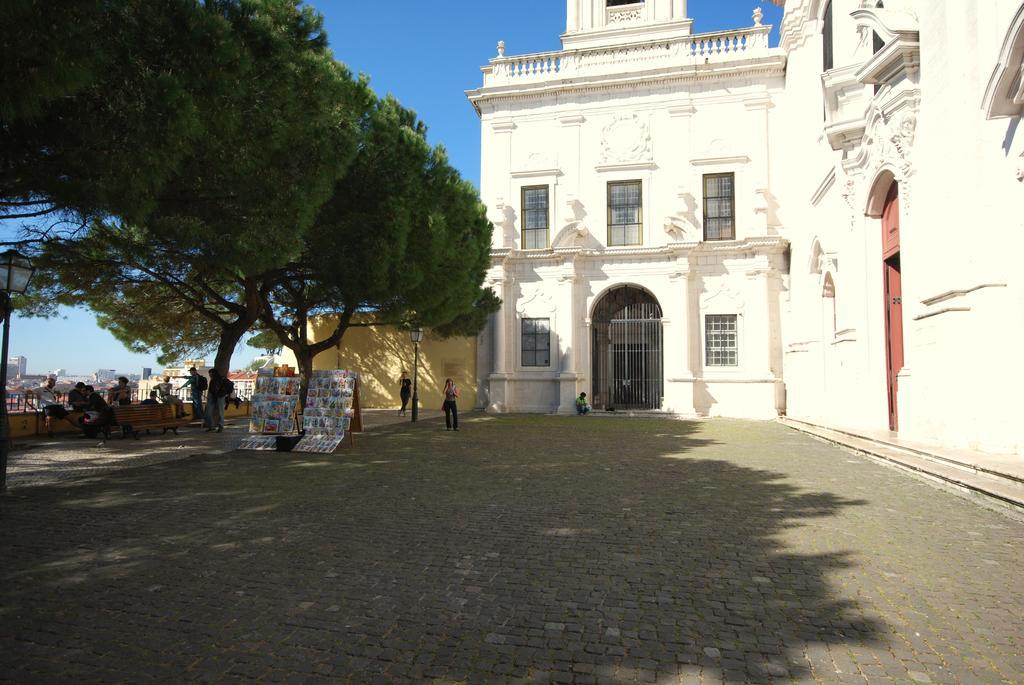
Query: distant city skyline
pixel 74 342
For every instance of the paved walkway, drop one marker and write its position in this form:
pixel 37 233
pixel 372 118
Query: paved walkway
pixel 996 480
pixel 65 456
pixel 521 549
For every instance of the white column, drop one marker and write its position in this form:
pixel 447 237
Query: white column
pixel 569 159
pixel 500 168
pixel 500 337
pixel 587 15
pixel 695 332
pixel 569 374
pixel 758 107
pixel 678 377
pixel 572 16
pixel 499 390
pixel 759 324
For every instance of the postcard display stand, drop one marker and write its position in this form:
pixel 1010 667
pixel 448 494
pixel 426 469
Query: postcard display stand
pixel 274 406
pixel 330 407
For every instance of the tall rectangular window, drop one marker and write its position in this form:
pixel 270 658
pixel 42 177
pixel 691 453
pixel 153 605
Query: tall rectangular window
pixel 719 207
pixel 625 213
pixel 535 218
pixel 828 61
pixel 720 340
pixel 536 342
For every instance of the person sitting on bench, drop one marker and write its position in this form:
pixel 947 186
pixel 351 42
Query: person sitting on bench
pixel 165 392
pixel 76 397
pixel 97 416
pixel 48 402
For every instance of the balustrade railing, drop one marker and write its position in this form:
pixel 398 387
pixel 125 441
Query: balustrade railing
pixel 690 50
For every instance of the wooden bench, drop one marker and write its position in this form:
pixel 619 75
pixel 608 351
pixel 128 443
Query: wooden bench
pixel 137 417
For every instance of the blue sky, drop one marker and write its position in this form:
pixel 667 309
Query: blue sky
pixel 424 53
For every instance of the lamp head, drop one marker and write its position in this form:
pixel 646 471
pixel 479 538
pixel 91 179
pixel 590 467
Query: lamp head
pixel 15 271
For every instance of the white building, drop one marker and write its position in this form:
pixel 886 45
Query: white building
pixel 17 366
pixel 704 225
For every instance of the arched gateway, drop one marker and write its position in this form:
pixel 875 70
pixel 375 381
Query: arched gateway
pixel 628 354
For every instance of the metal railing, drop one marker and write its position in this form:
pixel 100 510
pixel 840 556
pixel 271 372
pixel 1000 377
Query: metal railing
pixel 25 402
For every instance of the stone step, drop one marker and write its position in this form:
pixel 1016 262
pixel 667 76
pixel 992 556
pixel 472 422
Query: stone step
pixel 1002 490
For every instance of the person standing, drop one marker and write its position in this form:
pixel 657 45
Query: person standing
pixel 219 388
pixel 404 392
pixel 199 384
pixel 451 411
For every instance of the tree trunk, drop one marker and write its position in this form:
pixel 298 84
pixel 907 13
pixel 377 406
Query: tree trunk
pixel 304 359
pixel 305 352
pixel 232 332
pixel 229 339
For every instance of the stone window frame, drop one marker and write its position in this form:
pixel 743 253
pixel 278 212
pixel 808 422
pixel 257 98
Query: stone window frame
pixel 640 217
pixel 705 218
pixel 708 349
pixel 547 217
pixel 535 338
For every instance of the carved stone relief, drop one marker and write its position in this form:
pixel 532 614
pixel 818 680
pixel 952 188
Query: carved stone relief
pixel 504 219
pixel 575 232
pixel 538 161
pixel 683 225
pixel 724 299
pixel 850 196
pixel 888 143
pixel 626 139
pixel 625 16
pixel 535 299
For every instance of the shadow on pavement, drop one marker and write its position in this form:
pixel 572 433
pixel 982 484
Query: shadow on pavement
pixel 524 548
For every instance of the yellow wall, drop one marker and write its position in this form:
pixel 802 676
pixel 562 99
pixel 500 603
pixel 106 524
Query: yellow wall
pixel 379 354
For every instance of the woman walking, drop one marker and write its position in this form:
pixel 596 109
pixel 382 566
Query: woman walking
pixel 451 412
pixel 404 392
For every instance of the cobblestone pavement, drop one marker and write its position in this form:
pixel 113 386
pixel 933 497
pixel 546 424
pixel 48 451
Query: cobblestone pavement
pixel 520 549
pixel 43 460
pixel 48 460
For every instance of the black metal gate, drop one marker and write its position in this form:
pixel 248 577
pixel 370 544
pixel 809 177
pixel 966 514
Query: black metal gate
pixel 627 349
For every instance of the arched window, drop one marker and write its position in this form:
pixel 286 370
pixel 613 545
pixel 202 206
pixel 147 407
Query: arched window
pixel 877 44
pixel 1004 96
pixel 828 56
pixel 828 294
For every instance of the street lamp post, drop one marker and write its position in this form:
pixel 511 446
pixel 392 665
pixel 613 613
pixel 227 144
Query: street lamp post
pixel 417 337
pixel 15 273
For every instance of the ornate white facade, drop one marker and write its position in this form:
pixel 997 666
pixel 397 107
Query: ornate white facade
pixel 694 222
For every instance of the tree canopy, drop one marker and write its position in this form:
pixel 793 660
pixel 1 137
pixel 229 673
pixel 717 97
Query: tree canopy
pixel 214 169
pixel 402 237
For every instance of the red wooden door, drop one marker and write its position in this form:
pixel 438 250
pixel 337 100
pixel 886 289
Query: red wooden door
pixel 894 333
pixel 891 222
pixel 893 300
